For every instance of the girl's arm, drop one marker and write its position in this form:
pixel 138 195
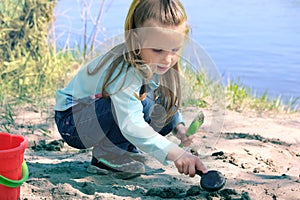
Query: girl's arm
pixel 130 118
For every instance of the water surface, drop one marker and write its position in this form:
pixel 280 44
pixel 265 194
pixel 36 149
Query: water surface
pixel 256 41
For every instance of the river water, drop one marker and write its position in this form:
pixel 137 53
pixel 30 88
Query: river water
pixel 253 42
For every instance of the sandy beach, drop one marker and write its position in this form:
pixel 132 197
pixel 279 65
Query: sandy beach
pixel 259 154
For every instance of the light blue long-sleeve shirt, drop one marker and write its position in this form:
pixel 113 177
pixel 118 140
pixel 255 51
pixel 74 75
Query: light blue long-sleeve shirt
pixel 129 109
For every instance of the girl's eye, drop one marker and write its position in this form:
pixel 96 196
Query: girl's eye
pixel 175 50
pixel 160 50
pixel 157 50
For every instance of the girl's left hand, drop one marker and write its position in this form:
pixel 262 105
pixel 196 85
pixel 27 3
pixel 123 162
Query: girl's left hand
pixel 181 134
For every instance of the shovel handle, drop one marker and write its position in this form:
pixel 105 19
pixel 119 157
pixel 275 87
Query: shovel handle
pixel 198 172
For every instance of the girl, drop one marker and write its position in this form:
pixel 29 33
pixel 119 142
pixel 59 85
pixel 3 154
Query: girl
pixel 128 99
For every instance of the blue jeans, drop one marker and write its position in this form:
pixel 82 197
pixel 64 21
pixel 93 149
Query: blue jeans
pixel 93 125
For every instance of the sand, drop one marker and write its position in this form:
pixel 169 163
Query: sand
pixel 259 154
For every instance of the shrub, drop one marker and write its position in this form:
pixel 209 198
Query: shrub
pixel 29 67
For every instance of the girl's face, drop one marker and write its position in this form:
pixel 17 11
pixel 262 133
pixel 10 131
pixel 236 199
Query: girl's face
pixel 161 45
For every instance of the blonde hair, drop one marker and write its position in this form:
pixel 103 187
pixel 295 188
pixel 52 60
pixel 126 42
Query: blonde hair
pixel 166 12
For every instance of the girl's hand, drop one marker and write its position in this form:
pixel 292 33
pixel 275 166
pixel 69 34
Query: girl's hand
pixel 185 162
pixel 188 163
pixel 181 134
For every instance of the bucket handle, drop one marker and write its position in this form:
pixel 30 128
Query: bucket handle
pixel 15 183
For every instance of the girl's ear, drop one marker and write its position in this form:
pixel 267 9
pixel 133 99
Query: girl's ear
pixel 136 43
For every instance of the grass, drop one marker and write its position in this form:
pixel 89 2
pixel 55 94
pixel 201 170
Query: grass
pixel 7 116
pixel 200 91
pixel 240 98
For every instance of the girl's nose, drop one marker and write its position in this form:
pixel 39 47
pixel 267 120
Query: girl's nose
pixel 167 57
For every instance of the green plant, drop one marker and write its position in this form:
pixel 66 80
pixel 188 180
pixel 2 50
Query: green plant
pixel 292 105
pixel 7 118
pixel 30 68
pixel 240 98
pixel 23 44
pixel 236 96
pixel 196 91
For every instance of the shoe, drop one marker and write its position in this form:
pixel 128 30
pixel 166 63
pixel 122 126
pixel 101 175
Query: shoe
pixel 138 157
pixel 123 167
pixel 136 154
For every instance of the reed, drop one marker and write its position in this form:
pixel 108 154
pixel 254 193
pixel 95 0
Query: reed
pixel 241 98
pixel 30 68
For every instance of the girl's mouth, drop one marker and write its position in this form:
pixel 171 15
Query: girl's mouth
pixel 161 68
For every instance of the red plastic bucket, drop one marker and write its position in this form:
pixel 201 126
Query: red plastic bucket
pixel 13 170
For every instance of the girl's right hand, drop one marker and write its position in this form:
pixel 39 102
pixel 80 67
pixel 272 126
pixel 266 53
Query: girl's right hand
pixel 188 163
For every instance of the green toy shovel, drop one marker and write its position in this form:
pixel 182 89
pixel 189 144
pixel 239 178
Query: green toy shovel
pixel 195 125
